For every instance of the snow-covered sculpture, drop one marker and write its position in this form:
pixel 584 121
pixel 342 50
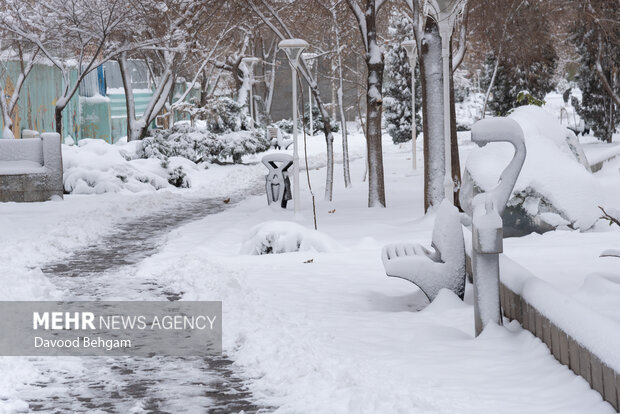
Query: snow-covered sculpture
pixel 274 136
pixel 555 187
pixel 486 210
pixel 442 267
pixel 31 168
pixel 278 185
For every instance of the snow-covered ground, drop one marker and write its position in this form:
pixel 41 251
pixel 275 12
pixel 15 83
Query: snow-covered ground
pixel 321 331
pixel 329 332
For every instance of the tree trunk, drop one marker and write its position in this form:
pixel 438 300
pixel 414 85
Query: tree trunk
pixel 431 76
pixel 7 133
pixel 343 120
pixel 374 109
pixel 58 117
pixel 454 143
pixel 129 98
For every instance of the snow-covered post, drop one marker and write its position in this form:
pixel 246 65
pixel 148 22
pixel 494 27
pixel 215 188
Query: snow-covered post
pixel 249 63
pixel 487 209
pixel 412 51
pixel 293 49
pixel 309 59
pixel 445 13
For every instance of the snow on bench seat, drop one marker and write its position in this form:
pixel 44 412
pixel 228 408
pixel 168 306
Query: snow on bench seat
pixel 31 168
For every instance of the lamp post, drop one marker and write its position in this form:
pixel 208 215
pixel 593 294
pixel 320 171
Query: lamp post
pixel 309 59
pixel 412 51
pixel 293 49
pixel 249 63
pixel 445 13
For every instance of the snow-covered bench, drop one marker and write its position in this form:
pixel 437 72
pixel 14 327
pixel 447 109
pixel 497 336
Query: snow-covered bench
pixel 432 270
pixel 274 135
pixel 31 168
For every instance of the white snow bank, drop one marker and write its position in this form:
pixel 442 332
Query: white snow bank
pixel 550 168
pixel 597 332
pixel 273 237
pixel 96 167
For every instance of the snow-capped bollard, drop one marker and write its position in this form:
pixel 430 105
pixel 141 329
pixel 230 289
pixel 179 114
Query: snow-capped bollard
pixel 432 270
pixel 486 210
pixel 277 182
pixel 487 244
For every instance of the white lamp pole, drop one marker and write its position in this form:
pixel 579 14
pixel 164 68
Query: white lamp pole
pixel 293 49
pixel 412 51
pixel 309 59
pixel 249 62
pixel 445 13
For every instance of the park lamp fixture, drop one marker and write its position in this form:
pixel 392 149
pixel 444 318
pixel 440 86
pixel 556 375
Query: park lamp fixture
pixel 249 62
pixel 412 52
pixel 293 49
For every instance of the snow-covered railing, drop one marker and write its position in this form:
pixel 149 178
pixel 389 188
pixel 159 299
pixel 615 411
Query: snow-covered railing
pixel 31 168
pixel 578 337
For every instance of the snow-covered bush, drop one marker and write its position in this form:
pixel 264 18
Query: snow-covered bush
pixel 238 144
pixel 224 115
pixel 182 140
pixel 317 120
pixel 95 167
pixel 178 177
pixel 553 189
pixel 536 77
pixel 199 145
pixel 273 237
pixel 286 125
pixel 397 97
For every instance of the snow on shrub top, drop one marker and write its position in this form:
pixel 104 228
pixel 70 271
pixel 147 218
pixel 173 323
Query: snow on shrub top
pixel 550 167
pixel 273 237
pixel 199 145
pixel 96 167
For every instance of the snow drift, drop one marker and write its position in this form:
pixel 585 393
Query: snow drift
pixel 273 237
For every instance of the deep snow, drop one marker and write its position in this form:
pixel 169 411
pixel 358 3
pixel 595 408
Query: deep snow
pixel 315 331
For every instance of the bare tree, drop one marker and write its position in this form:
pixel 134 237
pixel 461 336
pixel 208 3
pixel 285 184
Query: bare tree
pixel 74 35
pixel 366 16
pixel 270 16
pixel 26 61
pixel 170 43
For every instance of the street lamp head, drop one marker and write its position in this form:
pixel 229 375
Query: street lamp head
pixel 444 11
pixel 411 47
pixel 249 62
pixel 309 58
pixel 293 48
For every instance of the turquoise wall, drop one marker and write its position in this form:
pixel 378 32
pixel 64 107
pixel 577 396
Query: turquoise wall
pixel 35 108
pixel 84 117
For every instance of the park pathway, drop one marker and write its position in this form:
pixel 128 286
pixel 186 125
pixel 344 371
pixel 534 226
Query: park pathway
pixel 173 385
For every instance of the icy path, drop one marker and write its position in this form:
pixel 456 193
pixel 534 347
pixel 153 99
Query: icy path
pixel 106 271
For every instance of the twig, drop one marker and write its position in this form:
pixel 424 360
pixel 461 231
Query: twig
pixel 611 219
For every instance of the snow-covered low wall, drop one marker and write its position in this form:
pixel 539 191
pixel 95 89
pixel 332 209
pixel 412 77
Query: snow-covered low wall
pixel 578 337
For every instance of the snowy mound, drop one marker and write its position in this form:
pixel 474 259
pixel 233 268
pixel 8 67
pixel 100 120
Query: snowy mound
pixel 553 188
pixel 96 167
pixel 272 237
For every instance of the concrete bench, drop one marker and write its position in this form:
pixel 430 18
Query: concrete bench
pixel 31 168
pixel 442 266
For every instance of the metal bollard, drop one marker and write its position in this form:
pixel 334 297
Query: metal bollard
pixel 486 210
pixel 277 182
